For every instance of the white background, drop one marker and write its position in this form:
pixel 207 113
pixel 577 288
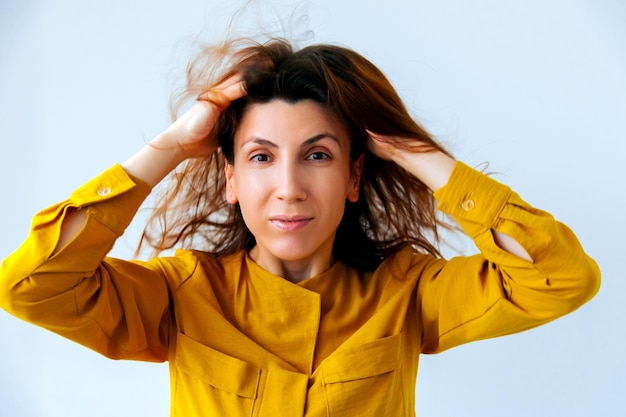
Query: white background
pixel 535 87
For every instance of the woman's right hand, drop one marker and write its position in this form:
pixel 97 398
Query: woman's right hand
pixel 189 134
pixel 188 137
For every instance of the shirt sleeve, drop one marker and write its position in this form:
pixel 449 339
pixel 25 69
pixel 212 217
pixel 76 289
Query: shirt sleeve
pixel 496 293
pixel 118 308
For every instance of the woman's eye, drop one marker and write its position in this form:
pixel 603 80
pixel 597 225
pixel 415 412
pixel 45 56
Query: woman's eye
pixel 318 156
pixel 260 157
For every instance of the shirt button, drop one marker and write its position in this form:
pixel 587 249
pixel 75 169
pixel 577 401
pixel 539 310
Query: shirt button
pixel 468 205
pixel 103 191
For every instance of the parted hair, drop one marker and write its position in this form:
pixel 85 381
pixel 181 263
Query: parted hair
pixel 394 209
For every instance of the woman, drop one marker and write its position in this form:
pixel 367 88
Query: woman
pixel 308 193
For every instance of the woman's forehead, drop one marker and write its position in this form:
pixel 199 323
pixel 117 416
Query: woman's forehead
pixel 279 120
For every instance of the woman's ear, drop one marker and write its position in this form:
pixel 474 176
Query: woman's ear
pixel 355 184
pixel 231 195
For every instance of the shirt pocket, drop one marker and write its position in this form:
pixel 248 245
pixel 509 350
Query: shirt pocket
pixel 363 380
pixel 209 382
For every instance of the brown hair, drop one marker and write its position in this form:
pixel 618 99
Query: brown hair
pixel 394 209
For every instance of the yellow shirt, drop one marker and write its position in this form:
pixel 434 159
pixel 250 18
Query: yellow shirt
pixel 241 341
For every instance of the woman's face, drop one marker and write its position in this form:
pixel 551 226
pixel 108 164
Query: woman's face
pixel 291 176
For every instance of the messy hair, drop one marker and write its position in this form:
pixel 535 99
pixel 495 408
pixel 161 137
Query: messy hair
pixel 394 209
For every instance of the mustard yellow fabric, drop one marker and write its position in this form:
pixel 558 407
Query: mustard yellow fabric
pixel 241 341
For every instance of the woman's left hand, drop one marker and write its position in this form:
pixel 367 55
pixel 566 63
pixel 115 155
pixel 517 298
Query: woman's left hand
pixel 428 164
pixel 381 146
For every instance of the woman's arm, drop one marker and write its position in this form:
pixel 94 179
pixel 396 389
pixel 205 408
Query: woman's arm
pixel 60 277
pixel 185 138
pixel 531 269
pixel 496 293
pixel 434 169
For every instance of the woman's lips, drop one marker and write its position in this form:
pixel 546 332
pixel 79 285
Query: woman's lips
pixel 290 223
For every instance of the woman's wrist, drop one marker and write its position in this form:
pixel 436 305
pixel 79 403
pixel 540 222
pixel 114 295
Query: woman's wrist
pixel 432 168
pixel 155 160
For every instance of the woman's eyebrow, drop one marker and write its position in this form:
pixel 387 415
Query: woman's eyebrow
pixel 308 142
pixel 319 137
pixel 260 141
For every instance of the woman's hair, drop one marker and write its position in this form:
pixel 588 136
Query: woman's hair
pixel 394 208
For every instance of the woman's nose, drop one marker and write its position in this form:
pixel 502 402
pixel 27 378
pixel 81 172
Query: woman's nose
pixel 290 184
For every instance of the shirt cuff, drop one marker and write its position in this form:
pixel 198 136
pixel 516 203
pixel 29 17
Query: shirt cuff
pixel 472 198
pixel 112 198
